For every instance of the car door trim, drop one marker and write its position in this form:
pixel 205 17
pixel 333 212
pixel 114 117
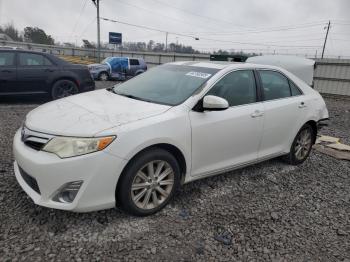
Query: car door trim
pixel 233 167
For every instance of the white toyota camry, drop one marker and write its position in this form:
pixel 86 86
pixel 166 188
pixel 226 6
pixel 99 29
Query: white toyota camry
pixel 134 144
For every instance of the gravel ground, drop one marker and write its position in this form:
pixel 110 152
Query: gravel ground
pixel 269 211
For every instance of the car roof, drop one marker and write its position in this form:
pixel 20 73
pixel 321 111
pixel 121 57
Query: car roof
pixel 53 57
pixel 24 51
pixel 127 57
pixel 223 65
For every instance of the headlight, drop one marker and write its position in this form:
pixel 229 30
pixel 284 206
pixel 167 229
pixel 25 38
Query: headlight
pixel 74 146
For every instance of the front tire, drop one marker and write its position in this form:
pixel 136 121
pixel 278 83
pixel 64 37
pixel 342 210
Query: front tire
pixel 302 145
pixel 148 182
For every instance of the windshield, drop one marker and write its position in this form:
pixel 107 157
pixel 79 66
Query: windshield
pixel 106 60
pixel 166 84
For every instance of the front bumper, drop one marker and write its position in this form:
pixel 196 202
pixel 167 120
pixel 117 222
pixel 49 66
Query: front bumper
pixel 88 85
pixel 99 172
pixel 95 74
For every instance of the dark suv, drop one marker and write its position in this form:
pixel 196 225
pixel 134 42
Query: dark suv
pixel 28 72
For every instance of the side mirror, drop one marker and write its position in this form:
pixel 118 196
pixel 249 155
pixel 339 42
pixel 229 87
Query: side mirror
pixel 214 103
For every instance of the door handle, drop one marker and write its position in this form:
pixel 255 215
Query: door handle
pixel 302 105
pixel 257 113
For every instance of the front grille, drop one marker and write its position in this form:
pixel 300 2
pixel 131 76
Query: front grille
pixel 33 139
pixel 31 181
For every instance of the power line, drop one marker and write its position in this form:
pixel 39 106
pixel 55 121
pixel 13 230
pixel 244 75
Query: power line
pixel 225 21
pixel 147 27
pixel 198 15
pixel 87 27
pixel 257 44
pixel 157 13
pixel 346 40
pixel 79 16
pixel 193 37
pixel 263 31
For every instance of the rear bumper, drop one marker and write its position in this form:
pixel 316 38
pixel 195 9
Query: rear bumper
pixel 94 75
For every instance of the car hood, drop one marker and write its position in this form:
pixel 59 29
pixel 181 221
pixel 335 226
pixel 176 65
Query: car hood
pixel 89 113
pixel 98 65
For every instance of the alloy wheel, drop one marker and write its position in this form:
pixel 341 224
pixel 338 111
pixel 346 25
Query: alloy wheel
pixel 303 144
pixel 64 89
pixel 103 77
pixel 152 184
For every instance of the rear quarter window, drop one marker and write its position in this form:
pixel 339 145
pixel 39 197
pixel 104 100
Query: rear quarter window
pixel 134 62
pixel 294 89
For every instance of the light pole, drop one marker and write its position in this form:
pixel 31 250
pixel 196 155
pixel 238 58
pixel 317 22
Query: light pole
pixel 166 39
pixel 97 4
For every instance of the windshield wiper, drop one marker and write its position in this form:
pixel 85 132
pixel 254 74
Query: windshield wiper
pixel 111 89
pixel 131 96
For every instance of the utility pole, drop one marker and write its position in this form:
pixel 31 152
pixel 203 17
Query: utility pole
pixel 166 41
pixel 97 4
pixel 325 40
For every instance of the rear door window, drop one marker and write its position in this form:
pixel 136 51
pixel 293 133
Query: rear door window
pixel 134 62
pixel 275 85
pixel 7 59
pixel 28 59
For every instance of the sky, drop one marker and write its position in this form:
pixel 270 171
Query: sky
pixel 261 26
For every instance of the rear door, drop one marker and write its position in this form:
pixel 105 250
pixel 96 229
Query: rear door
pixel 7 72
pixel 33 72
pixel 284 109
pixel 223 139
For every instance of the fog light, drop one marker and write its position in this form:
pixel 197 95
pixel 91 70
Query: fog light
pixel 68 192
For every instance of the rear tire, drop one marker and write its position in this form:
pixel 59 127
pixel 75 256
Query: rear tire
pixel 301 146
pixel 63 88
pixel 148 183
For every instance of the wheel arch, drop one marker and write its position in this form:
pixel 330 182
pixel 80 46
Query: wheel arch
pixel 103 71
pixel 175 151
pixel 313 125
pixel 71 78
pixel 139 71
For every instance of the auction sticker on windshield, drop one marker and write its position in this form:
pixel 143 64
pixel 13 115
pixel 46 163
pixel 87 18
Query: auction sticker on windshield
pixel 198 74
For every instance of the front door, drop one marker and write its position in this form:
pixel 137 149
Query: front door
pixel 228 138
